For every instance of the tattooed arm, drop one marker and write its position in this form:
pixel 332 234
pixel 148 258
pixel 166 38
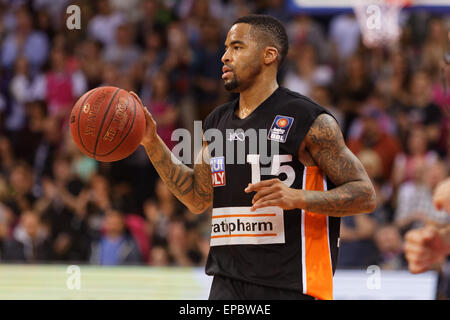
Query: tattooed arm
pixel 354 192
pixel 193 187
pixel 323 146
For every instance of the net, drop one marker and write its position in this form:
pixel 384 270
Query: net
pixel 379 21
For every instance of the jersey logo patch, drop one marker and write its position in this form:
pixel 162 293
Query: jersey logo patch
pixel 280 128
pixel 218 171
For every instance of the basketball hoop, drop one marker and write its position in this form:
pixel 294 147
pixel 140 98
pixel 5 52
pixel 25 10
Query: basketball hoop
pixel 379 21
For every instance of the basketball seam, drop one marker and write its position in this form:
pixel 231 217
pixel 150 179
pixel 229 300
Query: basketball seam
pixel 103 122
pixel 78 122
pixel 129 130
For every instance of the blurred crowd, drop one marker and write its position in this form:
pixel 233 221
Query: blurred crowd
pixel 57 205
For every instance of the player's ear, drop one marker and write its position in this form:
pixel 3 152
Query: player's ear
pixel 270 55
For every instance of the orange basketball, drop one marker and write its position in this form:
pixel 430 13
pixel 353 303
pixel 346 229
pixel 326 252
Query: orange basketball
pixel 107 124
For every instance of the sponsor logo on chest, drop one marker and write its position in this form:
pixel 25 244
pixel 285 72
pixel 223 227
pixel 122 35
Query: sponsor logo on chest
pixel 280 128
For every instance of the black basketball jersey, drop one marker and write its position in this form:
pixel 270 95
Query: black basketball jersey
pixel 293 249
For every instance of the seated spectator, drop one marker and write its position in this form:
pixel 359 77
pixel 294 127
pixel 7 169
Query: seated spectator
pixel 5 220
pixel 116 246
pixel 24 41
pixel 323 96
pixel 91 62
pixel 59 87
pixel 420 109
pixel 7 156
pixel 21 197
pixel 177 244
pixel 307 72
pixel 417 153
pixel 415 204
pixel 383 189
pixel 373 137
pixel 123 52
pixel 390 247
pixel 20 87
pixel 29 241
pixel 95 200
pixel 163 110
pixel 60 208
pixel 159 256
pixel 102 27
pixel 344 34
pixel 375 106
pixel 357 248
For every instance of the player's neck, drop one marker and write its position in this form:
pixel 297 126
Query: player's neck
pixel 253 96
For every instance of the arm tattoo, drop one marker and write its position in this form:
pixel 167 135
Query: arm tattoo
pixel 354 192
pixel 193 187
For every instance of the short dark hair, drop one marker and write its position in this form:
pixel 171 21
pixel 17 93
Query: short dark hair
pixel 273 30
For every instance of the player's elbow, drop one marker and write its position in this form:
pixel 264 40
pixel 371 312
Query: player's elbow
pixel 198 208
pixel 370 198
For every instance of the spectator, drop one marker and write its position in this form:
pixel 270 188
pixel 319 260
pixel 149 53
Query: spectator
pixel 177 244
pixel 61 210
pixel 304 30
pixel 103 26
pixel 207 72
pixel 59 87
pixel 357 248
pixel 354 87
pixel 7 157
pixel 323 96
pixel 25 41
pixel 123 53
pixel 95 200
pixel 160 213
pixel 91 62
pixel 345 35
pixel 417 154
pixel 307 72
pixel 421 110
pixel 116 246
pixel 414 204
pixel 19 88
pixel 21 197
pixel 372 137
pixel 162 109
pixel 390 247
pixel 29 242
pixel 159 256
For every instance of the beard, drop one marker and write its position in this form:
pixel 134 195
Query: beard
pixel 233 84
pixel 242 83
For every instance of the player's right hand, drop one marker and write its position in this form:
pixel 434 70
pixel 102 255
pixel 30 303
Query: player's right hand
pixel 423 248
pixel 150 128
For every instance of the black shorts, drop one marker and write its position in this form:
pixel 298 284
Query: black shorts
pixel 223 288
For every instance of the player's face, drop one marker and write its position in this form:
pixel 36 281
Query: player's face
pixel 242 58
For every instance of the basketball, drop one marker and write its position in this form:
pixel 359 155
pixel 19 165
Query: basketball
pixel 107 124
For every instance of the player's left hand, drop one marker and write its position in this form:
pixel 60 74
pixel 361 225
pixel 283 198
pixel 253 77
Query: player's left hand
pixel 273 192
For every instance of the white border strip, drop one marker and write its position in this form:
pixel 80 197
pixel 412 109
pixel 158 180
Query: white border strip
pixel 303 238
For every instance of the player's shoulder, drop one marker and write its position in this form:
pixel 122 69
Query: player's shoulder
pixel 290 97
pixel 298 105
pixel 218 113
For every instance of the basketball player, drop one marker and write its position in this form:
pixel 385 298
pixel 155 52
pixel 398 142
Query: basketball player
pixel 275 227
pixel 429 245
